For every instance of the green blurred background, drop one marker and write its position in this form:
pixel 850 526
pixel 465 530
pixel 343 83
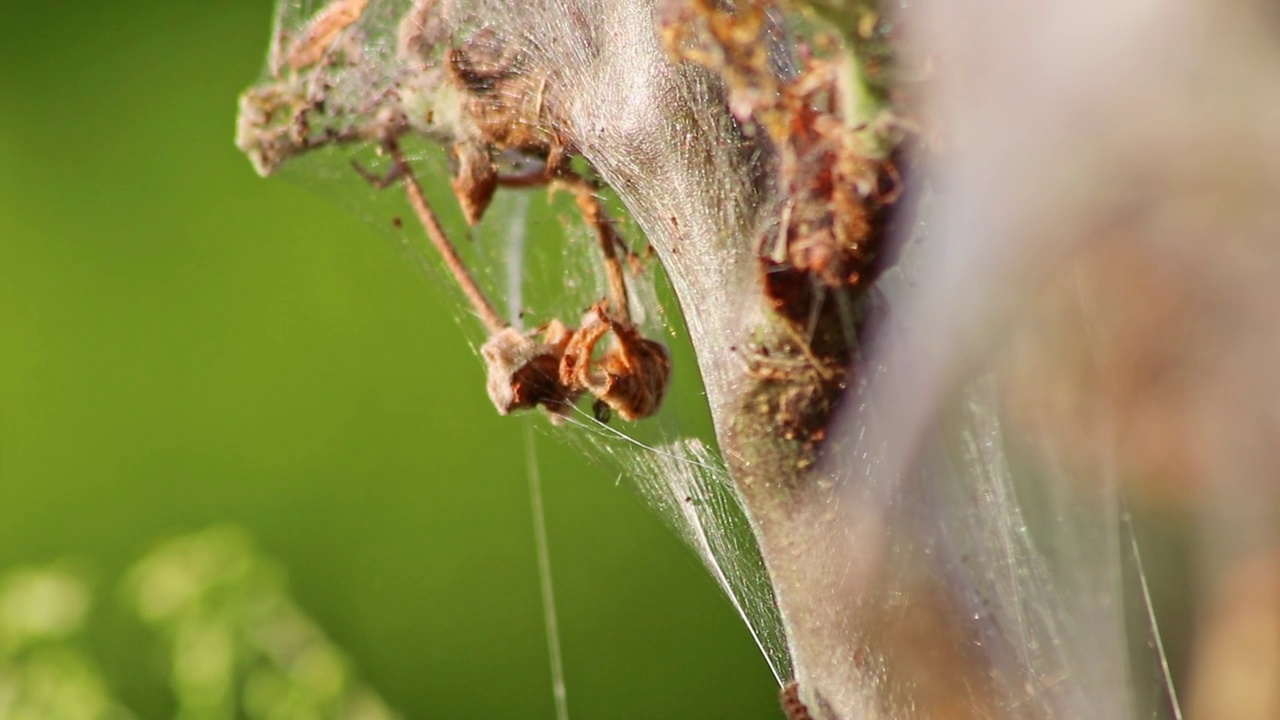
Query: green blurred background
pixel 183 343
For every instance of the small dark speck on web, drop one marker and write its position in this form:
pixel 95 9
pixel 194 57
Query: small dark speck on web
pixel 603 413
pixel 397 223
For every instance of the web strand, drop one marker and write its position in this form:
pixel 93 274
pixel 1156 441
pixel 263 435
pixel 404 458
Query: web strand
pixel 1166 675
pixel 542 547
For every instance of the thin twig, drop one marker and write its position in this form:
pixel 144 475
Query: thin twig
pixel 488 315
pixel 584 194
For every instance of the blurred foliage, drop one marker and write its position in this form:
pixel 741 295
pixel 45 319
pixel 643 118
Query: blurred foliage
pixel 236 639
pixel 45 671
pixel 183 344
pixel 235 643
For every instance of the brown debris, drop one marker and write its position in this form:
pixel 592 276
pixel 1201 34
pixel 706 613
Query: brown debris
pixel 554 365
pixel 475 179
pixel 505 102
pixel 524 370
pixel 323 31
pixel 837 192
pixel 838 195
pixel 792 706
pixel 632 375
